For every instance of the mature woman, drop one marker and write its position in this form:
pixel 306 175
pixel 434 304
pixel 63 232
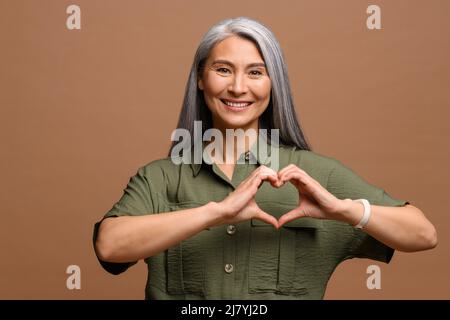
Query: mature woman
pixel 246 229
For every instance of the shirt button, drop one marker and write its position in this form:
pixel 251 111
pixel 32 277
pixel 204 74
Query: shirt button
pixel 231 229
pixel 229 268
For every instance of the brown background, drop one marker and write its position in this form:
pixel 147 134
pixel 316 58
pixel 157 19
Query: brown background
pixel 81 110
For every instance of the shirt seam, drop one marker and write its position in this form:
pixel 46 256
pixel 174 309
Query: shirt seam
pixel 328 178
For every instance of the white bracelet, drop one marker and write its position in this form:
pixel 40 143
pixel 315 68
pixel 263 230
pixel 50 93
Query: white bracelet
pixel 366 215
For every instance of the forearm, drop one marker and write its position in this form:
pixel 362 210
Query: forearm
pixel 401 228
pixel 130 238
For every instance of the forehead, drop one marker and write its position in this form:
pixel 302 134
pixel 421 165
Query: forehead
pixel 237 49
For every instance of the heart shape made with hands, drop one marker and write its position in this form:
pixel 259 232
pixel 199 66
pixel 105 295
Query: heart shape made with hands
pixel 314 200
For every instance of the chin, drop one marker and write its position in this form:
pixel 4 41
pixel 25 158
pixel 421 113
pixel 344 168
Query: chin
pixel 236 124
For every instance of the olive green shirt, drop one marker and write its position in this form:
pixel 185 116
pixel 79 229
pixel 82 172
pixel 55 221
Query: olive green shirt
pixel 251 260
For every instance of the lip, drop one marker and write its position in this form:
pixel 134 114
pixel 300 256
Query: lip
pixel 236 109
pixel 237 101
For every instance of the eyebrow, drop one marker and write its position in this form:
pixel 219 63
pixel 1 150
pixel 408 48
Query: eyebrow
pixel 250 65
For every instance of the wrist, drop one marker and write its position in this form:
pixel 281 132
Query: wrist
pixel 351 212
pixel 215 213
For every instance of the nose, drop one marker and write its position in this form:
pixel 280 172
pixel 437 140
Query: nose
pixel 238 85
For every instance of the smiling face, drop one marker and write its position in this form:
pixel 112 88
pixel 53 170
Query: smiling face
pixel 235 84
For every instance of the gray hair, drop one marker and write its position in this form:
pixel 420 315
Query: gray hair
pixel 280 113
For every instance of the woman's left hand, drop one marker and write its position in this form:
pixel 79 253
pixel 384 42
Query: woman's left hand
pixel 314 200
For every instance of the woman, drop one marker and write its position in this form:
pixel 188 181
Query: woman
pixel 245 229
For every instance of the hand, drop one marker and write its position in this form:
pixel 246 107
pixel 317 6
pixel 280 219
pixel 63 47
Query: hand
pixel 314 200
pixel 240 204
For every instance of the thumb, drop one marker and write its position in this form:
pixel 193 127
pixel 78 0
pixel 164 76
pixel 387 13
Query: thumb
pixel 264 216
pixel 291 215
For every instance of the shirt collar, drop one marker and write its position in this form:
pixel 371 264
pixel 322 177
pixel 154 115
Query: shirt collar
pixel 263 157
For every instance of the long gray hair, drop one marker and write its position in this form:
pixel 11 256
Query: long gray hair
pixel 280 113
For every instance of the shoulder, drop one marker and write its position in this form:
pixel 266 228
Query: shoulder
pixel 317 165
pixel 160 170
pixel 308 160
pixel 165 164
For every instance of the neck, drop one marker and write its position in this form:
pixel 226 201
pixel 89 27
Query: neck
pixel 235 143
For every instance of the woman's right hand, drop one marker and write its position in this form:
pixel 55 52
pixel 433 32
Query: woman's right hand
pixel 240 204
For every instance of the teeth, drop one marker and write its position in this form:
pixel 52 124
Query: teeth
pixel 236 105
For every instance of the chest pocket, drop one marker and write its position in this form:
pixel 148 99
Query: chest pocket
pixel 281 261
pixel 185 262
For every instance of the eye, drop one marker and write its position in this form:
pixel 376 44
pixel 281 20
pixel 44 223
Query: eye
pixel 256 73
pixel 223 70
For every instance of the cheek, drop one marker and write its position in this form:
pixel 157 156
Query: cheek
pixel 214 85
pixel 262 90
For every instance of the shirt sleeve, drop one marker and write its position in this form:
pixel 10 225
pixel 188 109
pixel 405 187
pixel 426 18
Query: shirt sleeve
pixel 344 183
pixel 139 198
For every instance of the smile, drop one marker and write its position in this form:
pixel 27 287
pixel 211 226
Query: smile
pixel 236 105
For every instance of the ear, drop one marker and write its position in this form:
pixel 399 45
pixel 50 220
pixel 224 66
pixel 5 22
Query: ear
pixel 200 83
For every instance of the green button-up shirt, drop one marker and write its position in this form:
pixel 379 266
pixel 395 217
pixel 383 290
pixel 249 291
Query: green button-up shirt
pixel 249 260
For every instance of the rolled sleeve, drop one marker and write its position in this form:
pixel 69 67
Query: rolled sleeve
pixel 139 198
pixel 344 183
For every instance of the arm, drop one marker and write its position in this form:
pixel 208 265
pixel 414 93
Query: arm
pixel 130 238
pixel 401 228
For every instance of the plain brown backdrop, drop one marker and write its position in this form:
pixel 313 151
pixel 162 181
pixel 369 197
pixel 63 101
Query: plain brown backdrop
pixel 82 110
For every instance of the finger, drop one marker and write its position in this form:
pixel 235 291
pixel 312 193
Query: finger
pixel 288 167
pixel 304 178
pixel 306 186
pixel 266 170
pixel 291 168
pixel 267 174
pixel 273 179
pixel 279 183
pixel 282 175
pixel 272 176
pixel 258 180
pixel 258 171
pixel 293 174
pixel 250 187
pixel 300 181
pixel 291 215
pixel 299 176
